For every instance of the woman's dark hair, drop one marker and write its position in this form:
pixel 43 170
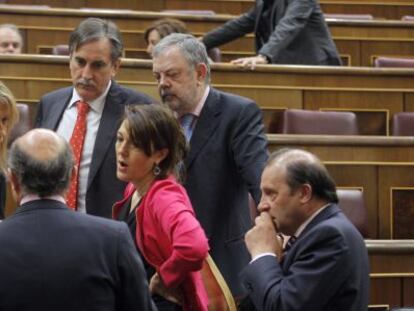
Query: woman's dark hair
pixel 154 127
pixel 166 26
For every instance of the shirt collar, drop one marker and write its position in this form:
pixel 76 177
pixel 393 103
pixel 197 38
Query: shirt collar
pixel 34 197
pixel 200 105
pixel 96 105
pixel 306 223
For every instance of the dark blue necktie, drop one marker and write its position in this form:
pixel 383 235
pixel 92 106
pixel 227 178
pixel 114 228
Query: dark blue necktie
pixel 187 124
pixel 290 243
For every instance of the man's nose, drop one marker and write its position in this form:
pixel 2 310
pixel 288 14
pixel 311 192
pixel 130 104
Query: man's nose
pixel 263 206
pixel 163 81
pixel 87 72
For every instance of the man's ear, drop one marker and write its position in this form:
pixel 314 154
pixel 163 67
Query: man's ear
pixel 306 193
pixel 201 70
pixel 115 67
pixel 15 185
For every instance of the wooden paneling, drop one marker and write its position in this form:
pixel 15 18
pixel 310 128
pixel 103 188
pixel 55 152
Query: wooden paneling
pixel 375 95
pixel 390 9
pixel 358 41
pixel 392 272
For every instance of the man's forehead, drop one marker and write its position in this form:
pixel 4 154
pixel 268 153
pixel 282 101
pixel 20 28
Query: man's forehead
pixel 9 35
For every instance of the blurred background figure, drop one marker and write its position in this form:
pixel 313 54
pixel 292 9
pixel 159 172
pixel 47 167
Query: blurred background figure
pixel 286 32
pixel 11 41
pixel 150 146
pixel 160 29
pixel 166 26
pixel 8 117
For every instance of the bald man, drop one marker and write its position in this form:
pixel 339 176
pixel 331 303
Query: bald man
pixel 324 265
pixel 11 41
pixel 53 258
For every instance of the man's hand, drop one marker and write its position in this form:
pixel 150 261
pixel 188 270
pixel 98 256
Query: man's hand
pixel 251 62
pixel 263 237
pixel 157 286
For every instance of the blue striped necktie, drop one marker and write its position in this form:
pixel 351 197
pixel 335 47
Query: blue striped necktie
pixel 187 122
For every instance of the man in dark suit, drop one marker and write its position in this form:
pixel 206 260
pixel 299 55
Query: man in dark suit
pixel 53 258
pixel 227 149
pixel 95 49
pixel 286 32
pixel 324 266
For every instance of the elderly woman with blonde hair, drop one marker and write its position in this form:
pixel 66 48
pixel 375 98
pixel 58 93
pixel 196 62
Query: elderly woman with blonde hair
pixel 8 117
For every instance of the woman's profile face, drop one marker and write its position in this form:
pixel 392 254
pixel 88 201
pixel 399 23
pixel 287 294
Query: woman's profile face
pixel 4 121
pixel 133 165
pixel 153 39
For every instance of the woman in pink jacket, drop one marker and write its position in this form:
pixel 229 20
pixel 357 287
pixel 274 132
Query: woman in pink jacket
pixel 150 146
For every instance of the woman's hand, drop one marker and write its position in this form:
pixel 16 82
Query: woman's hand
pixel 157 286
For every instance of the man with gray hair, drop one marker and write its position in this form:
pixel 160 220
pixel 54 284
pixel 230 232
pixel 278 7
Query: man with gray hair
pixel 89 114
pixel 53 258
pixel 227 149
pixel 11 41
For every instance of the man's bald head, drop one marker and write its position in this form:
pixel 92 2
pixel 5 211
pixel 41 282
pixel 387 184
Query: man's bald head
pixel 42 163
pixel 303 167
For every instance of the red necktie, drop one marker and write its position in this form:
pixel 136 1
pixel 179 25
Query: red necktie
pixel 76 141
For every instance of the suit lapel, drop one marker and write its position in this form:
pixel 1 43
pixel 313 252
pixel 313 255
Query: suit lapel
pixel 206 124
pixel 56 110
pixel 108 126
pixel 328 212
pixel 259 9
pixel 278 11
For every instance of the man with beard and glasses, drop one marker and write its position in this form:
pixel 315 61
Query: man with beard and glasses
pixel 228 149
pixel 89 114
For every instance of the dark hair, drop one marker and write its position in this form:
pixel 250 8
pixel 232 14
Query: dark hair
pixel 302 168
pixel 44 178
pixel 93 29
pixel 154 127
pixel 166 26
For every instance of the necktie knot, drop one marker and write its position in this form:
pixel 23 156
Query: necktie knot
pixel 187 124
pixel 83 108
pixel 290 243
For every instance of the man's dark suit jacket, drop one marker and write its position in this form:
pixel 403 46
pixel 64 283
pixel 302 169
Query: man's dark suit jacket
pixel 104 189
pixel 3 191
pixel 325 270
pixel 228 150
pixel 55 259
pixel 298 34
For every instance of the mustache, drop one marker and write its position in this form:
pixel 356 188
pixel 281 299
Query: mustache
pixel 165 93
pixel 85 83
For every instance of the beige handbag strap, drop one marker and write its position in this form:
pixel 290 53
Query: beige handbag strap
pixel 219 294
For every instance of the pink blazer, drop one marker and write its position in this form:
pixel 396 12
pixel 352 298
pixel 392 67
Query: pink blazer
pixel 171 239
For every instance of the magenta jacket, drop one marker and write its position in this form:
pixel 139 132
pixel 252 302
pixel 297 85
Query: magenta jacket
pixel 171 239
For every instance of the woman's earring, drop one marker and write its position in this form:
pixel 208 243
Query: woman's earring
pixel 156 170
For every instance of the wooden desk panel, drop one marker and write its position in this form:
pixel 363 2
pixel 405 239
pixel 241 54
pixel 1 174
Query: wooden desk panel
pixel 375 95
pixel 359 41
pixel 385 9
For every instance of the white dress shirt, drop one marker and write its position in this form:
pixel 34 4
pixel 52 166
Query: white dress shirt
pixel 65 129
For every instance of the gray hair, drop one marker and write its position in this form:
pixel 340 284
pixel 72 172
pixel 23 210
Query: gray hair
pixel 192 49
pixel 14 28
pixel 93 29
pixel 44 178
